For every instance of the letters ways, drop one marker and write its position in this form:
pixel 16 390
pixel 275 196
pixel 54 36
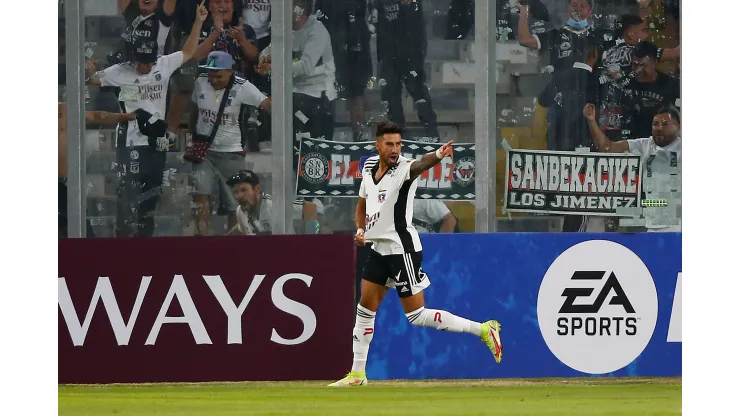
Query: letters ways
pixel 123 329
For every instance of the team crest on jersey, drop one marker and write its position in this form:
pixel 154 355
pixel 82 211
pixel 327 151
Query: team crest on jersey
pixel 134 155
pixel 381 197
pixel 314 168
pixel 202 97
pixel 464 171
pixel 157 77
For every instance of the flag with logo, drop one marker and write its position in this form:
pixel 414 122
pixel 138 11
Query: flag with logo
pixel 327 168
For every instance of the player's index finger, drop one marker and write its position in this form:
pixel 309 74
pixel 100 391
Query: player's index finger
pixel 202 3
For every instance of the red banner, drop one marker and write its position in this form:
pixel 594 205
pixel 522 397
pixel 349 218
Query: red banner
pixel 205 308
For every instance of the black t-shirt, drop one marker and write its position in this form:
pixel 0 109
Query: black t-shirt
pixel 223 43
pixel 155 27
pixel 567 46
pixel 615 73
pixel 400 30
pixel 645 99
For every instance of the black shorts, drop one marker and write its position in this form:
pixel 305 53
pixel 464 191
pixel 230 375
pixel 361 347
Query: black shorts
pixel 402 271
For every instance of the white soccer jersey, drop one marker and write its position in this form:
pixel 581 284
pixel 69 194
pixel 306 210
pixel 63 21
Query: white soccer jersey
pixel 389 207
pixel 657 163
pixel 228 137
pixel 263 222
pixel 145 91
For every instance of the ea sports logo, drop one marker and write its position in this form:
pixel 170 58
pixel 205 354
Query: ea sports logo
pixel 597 307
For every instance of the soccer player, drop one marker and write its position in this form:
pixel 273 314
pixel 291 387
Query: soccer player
pixel 383 217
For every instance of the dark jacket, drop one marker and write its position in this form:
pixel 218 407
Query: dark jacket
pixel 569 91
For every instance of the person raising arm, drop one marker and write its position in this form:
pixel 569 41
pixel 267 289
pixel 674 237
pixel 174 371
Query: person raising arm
pixel 600 140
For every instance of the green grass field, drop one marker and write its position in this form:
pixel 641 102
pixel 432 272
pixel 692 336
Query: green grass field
pixel 622 396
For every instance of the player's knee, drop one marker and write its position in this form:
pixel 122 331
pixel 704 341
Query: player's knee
pixel 417 317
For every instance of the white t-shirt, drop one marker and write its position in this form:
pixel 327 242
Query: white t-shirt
pixel 263 222
pixel 657 181
pixel 228 137
pixel 145 91
pixel 389 207
pixel 430 212
pixel 313 60
pixel 257 14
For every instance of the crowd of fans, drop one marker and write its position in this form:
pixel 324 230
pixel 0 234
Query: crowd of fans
pixel 209 62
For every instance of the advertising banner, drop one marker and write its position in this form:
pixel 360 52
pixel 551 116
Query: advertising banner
pixel 205 309
pixel 328 168
pixel 543 181
pixel 570 305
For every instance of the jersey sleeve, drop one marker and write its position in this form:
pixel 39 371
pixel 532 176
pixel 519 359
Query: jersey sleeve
pixel 363 189
pixel 170 63
pixel 545 40
pixel 250 95
pixel 639 146
pixel 196 91
pixel 405 165
pixel 111 76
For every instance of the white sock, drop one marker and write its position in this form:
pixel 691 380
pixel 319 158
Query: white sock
pixel 362 334
pixel 443 320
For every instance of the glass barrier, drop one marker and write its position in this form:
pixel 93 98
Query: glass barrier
pixel 392 61
pixel 623 58
pixel 153 168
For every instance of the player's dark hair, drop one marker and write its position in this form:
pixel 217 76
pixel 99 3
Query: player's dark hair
pixel 672 111
pixel 388 127
pixel 625 22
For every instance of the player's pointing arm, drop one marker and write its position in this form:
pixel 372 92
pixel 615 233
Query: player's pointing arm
pixel 430 159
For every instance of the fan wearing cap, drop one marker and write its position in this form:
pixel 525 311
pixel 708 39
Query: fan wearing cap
pixel 222 31
pixel 255 208
pixel 141 86
pixel 225 155
pixel 649 90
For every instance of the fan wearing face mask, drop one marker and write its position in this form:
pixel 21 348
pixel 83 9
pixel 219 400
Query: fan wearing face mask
pixel 566 44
